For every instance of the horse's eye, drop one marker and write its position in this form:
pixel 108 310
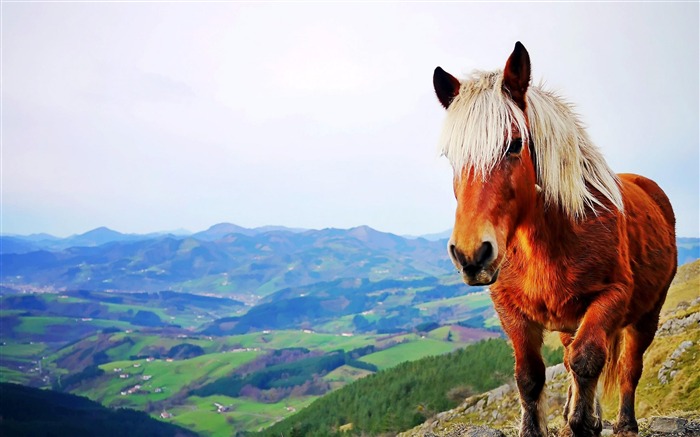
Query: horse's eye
pixel 515 146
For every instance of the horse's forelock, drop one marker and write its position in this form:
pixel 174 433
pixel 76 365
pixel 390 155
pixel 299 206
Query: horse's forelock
pixel 479 126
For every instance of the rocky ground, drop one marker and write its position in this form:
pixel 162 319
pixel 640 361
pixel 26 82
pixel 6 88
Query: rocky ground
pixel 673 371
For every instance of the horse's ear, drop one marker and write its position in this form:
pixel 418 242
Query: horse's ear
pixel 446 86
pixel 516 75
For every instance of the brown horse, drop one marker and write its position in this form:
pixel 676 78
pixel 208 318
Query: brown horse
pixel 564 243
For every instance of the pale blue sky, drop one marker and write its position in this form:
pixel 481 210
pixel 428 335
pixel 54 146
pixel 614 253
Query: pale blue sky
pixel 157 116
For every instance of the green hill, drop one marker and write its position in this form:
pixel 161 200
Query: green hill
pixel 27 411
pixel 404 395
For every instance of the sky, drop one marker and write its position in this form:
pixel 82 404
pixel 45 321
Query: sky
pixel 147 117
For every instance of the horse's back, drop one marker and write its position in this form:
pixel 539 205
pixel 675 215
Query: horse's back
pixel 651 240
pixel 655 193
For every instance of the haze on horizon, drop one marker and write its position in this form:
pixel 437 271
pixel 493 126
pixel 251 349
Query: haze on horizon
pixel 146 117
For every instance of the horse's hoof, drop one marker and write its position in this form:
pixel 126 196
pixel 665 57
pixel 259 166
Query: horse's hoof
pixel 582 430
pixel 626 428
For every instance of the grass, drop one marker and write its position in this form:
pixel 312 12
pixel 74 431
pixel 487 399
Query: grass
pixel 681 394
pixel 480 299
pixel 42 325
pixel 154 344
pixel 339 324
pixel 14 376
pixel 22 351
pixel 410 351
pixel 344 375
pixel 171 377
pixel 685 286
pixel 287 339
pixel 200 414
pixel 459 307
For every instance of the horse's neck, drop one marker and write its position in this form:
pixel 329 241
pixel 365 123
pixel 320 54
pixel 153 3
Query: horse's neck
pixel 546 231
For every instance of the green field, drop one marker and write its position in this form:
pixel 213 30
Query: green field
pixel 201 414
pixel 168 376
pixel 410 351
pixel 69 326
pixel 344 375
pixel 28 350
pixel 289 339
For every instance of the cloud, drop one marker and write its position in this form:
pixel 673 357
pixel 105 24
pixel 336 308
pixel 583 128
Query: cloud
pixel 158 116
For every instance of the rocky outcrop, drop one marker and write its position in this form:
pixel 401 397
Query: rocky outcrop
pixel 676 324
pixel 673 426
pixel 671 368
pixel 667 371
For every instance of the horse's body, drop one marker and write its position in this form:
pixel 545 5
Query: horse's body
pixel 567 245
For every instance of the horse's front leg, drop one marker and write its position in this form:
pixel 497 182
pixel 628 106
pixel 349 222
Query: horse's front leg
pixel 586 357
pixel 529 375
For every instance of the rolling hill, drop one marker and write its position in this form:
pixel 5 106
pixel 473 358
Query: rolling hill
pixel 337 305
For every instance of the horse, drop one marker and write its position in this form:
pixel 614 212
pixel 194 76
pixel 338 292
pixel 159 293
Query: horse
pixel 563 242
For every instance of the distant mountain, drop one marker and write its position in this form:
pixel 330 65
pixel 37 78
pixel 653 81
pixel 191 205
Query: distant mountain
pixel 220 230
pixel 96 237
pixel 688 250
pixel 37 237
pixel 228 259
pixel 16 245
pixel 234 263
pixel 444 235
pixel 104 235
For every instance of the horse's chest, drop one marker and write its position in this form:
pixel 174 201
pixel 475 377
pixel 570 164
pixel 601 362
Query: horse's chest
pixel 552 314
pixel 548 303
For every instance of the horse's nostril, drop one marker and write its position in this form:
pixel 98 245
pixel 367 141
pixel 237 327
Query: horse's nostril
pixel 457 256
pixel 484 253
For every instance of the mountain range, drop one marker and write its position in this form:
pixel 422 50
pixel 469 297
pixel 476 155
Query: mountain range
pixel 223 260
pixel 226 259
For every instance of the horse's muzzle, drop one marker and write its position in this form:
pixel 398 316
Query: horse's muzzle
pixel 482 277
pixel 477 269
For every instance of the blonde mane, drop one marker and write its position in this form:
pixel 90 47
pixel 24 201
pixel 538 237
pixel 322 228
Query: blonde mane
pixel 479 126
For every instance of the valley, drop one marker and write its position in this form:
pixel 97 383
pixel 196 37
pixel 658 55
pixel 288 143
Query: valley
pixel 232 330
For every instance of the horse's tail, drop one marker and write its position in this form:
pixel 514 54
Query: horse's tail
pixel 610 375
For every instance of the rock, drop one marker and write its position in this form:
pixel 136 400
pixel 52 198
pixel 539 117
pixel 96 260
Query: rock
pixel 666 372
pixel 482 431
pixel 672 326
pixel 681 348
pixel 463 430
pixel 497 393
pixel 667 425
pixel 554 371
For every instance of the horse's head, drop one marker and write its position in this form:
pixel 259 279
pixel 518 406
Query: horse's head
pixel 486 138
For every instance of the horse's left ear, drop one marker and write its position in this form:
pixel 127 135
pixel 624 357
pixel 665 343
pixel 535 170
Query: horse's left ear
pixel 516 75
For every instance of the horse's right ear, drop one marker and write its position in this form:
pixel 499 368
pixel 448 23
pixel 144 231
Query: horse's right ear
pixel 446 86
